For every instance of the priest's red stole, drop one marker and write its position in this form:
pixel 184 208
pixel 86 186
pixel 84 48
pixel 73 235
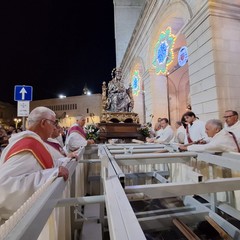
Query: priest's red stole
pixel 77 129
pixel 30 144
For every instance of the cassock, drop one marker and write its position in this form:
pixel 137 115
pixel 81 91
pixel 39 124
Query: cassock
pixel 234 129
pixel 25 165
pixel 221 142
pixel 76 138
pixel 164 135
pixel 196 132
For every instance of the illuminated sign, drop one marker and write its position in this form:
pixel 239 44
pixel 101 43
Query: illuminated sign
pixel 136 83
pixel 163 51
pixel 182 56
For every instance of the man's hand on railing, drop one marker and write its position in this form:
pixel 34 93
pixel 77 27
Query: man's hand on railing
pixel 73 154
pixel 63 172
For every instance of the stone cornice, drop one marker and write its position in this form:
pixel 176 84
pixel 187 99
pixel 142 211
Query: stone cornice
pixel 224 9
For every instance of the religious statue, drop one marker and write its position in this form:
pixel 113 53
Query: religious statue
pixel 119 99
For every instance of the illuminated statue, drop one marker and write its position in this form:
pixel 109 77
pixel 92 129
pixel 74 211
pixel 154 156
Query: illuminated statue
pixel 118 99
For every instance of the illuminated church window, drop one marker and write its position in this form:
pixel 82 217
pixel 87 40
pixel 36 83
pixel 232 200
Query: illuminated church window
pixel 136 83
pixel 163 51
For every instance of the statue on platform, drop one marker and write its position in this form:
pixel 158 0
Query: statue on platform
pixel 118 99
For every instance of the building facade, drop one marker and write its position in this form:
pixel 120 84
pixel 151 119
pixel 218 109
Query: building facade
pixel 208 82
pixel 67 109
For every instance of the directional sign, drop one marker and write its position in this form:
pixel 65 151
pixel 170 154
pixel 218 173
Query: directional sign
pixel 22 93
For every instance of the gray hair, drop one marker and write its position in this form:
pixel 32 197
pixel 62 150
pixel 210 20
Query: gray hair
pixel 39 113
pixel 215 122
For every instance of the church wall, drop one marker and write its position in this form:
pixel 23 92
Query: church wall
pixel 201 65
pixel 212 33
pixel 126 14
pixel 142 47
pixel 226 30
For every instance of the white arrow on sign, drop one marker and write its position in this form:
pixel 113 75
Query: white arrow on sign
pixel 23 92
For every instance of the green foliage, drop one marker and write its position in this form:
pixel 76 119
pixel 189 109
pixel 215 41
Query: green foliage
pixel 92 132
pixel 145 131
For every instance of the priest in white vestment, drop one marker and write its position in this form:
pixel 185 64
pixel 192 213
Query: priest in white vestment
pixel 76 136
pixel 221 140
pixel 26 163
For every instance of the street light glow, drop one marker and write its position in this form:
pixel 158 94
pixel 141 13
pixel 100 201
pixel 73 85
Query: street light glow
pixel 62 96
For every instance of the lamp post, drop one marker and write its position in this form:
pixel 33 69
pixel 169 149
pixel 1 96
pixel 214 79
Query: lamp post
pixel 168 98
pixel 17 120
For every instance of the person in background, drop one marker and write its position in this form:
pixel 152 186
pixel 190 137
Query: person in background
pixel 3 138
pixel 54 142
pixel 221 140
pixel 76 136
pixel 26 163
pixel 164 135
pixel 151 131
pixel 195 129
pixel 180 133
pixel 232 123
pixel 156 126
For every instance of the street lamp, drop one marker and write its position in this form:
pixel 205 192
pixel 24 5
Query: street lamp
pixel 62 96
pixel 168 97
pixel 17 120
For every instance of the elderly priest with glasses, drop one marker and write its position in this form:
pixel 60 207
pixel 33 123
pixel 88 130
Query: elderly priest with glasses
pixel 27 162
pixel 232 124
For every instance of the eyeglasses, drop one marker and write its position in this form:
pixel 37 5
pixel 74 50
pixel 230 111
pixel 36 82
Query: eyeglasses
pixel 54 123
pixel 228 116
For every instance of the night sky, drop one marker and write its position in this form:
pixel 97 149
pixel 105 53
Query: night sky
pixel 55 46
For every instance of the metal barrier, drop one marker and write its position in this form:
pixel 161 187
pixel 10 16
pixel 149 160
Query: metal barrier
pixel 34 213
pixel 125 224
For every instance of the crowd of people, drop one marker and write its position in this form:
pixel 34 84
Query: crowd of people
pixel 192 134
pixel 31 157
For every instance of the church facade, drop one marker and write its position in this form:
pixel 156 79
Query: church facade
pixel 179 55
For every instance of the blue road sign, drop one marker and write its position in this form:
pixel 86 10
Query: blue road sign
pixel 22 93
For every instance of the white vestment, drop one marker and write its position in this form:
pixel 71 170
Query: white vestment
pixel 221 142
pixel 74 141
pixel 21 175
pixel 58 225
pixel 180 135
pixel 164 135
pixel 196 132
pixel 235 129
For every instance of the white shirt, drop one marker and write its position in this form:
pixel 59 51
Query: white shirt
pixel 20 176
pixel 221 142
pixel 164 135
pixel 235 129
pixel 196 131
